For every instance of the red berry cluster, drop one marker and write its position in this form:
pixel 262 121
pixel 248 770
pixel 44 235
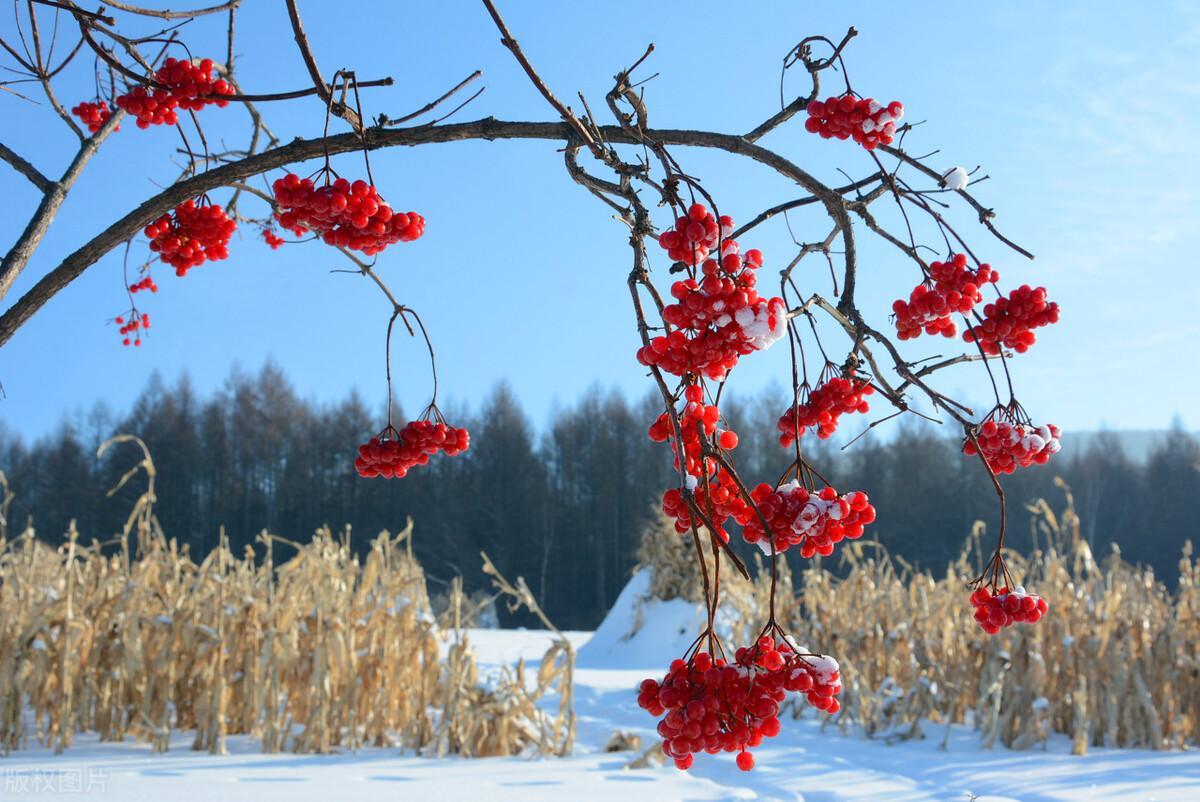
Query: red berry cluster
pixel 712 706
pixel 719 500
pixel 832 398
pixel 951 287
pixel 862 119
pixel 1009 322
pixel 697 421
pixel 180 84
pixel 392 454
pixel 813 521
pixel 191 235
pixel 130 330
pixel 345 214
pixel 695 235
pixel 995 611
pixel 718 317
pixel 144 283
pixel 93 115
pixel 1007 446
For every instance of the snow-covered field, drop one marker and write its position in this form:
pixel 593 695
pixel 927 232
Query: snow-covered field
pixel 803 763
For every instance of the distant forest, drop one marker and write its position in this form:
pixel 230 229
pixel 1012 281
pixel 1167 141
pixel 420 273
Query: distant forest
pixel 564 507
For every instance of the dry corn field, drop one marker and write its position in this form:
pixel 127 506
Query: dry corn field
pixel 312 648
pixel 307 647
pixel 1116 663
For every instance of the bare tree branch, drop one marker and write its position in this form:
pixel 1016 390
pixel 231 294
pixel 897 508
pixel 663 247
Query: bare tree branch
pixel 26 169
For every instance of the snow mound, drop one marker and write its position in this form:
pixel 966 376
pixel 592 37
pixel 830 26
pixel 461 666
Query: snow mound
pixel 642 632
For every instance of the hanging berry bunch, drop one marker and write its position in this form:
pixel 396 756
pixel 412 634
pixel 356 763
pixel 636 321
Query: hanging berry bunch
pixel 193 234
pixel 713 705
pixel 346 214
pixel 1002 608
pixel 718 316
pixel 814 521
pixel 1008 440
pixel 131 326
pixel 951 287
pixel 178 84
pixel 1009 322
pixel 822 407
pixel 93 114
pixel 392 453
pixel 144 283
pixel 867 122
pixel 715 500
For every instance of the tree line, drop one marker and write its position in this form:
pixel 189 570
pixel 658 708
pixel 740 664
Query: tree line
pixel 564 506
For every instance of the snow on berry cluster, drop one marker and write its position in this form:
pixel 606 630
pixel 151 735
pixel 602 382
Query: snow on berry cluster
pixel 131 328
pixel 144 283
pixel 867 122
pixel 1009 322
pixel 696 421
pixel 93 115
pixel 951 287
pixel 191 235
pixel 392 454
pixel 798 517
pixel 835 396
pixel 181 84
pixel 1007 445
pixel 345 214
pixel 718 317
pixel 995 611
pixel 713 706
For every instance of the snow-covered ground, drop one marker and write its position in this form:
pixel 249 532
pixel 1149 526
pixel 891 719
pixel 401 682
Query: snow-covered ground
pixel 803 763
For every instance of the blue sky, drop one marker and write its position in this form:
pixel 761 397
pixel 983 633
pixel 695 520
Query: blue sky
pixel 1083 114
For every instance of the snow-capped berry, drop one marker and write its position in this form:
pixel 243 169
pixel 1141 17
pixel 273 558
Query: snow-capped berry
pixel 867 122
pixel 1008 445
pixel 718 316
pixel 711 705
pixel 815 522
pixel 1002 608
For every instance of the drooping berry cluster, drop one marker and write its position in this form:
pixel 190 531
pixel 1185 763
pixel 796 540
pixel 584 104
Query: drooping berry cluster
pixel 191 235
pixel 181 84
pixel 132 324
pixel 837 395
pixel 93 115
pixel 711 706
pixel 718 317
pixel 1008 445
pixel 951 287
pixel 813 521
pixel 867 122
pixel 696 421
pixel 695 235
pixel 1009 322
pixel 995 611
pixel 144 283
pixel 392 454
pixel 718 500
pixel 345 214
